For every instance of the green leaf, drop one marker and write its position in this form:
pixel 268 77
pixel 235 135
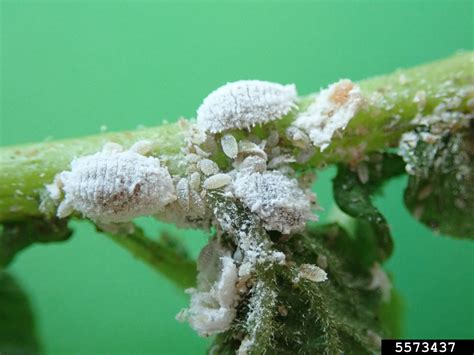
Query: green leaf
pixel 353 190
pixel 17 325
pixel 340 315
pixel 440 192
pixel 18 235
pixel 391 315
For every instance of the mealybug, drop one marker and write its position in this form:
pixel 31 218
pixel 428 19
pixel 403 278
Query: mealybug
pixel 244 104
pixel 114 186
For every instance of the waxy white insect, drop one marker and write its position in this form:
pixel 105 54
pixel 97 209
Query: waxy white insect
pixel 208 167
pixel 182 192
pixel 113 185
pixel 275 198
pixel 298 137
pixel 332 109
pixel 189 198
pixel 273 139
pixel 229 146
pixel 212 307
pixel 216 181
pixel 244 104
pixel 195 181
pixel 311 272
pixel 247 148
pixel 253 163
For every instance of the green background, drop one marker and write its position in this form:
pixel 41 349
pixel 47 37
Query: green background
pixel 69 68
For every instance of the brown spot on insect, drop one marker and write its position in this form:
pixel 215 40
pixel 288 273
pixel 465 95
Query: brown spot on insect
pixel 331 110
pixel 340 95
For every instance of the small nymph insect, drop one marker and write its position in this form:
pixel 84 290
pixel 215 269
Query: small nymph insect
pixel 208 167
pixel 229 146
pixel 216 181
pixel 244 104
pixel 113 185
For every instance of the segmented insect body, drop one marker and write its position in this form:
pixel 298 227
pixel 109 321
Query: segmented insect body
pixel 182 192
pixel 195 181
pixel 115 186
pixel 253 163
pixel 208 167
pixel 275 198
pixel 273 139
pixel 311 272
pixel 216 181
pixel 212 307
pixel 230 146
pixel 247 148
pixel 244 104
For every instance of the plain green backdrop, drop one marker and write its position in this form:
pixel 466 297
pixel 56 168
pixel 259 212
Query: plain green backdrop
pixel 69 68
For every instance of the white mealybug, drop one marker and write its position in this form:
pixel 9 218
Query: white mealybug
pixel 247 148
pixel 332 109
pixel 195 181
pixel 113 185
pixel 182 192
pixel 244 104
pixel 188 196
pixel 253 163
pixel 216 181
pixel 208 167
pixel 310 272
pixel 273 139
pixel 275 198
pixel 229 146
pixel 212 307
pixel 298 137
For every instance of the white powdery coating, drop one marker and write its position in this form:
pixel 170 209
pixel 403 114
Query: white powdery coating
pixel 261 303
pixel 275 198
pixel 332 109
pixel 244 104
pixel 407 145
pixel 113 186
pixel 212 307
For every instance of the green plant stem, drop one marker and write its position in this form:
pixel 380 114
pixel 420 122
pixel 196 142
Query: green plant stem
pixel 164 256
pixel 25 169
pixel 379 126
